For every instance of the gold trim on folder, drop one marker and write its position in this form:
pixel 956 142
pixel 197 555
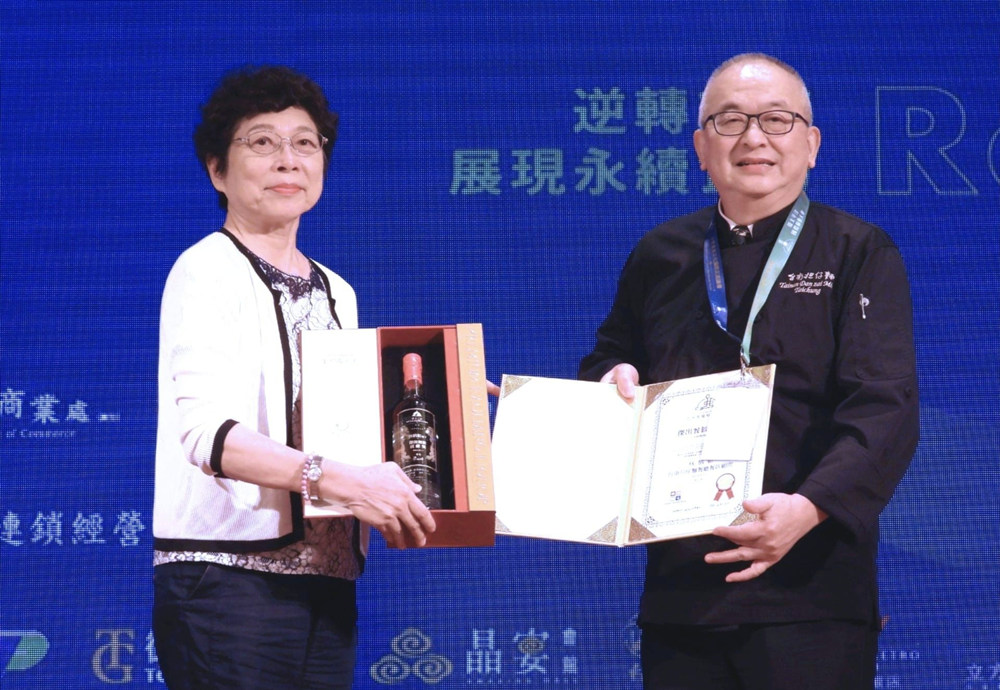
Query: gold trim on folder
pixel 636 532
pixel 605 535
pixel 512 383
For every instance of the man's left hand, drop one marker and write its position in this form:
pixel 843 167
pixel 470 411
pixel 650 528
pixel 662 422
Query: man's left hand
pixel 783 519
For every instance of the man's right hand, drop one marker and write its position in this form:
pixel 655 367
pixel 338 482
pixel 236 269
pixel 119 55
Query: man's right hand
pixel 626 377
pixel 380 496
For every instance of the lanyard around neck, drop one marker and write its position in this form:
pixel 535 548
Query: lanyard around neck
pixel 715 281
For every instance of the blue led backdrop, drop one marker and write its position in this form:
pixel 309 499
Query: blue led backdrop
pixel 496 163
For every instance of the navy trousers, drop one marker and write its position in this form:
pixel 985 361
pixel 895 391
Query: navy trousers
pixel 226 628
pixel 818 655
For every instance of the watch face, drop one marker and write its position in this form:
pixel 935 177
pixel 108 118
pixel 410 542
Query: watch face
pixel 315 472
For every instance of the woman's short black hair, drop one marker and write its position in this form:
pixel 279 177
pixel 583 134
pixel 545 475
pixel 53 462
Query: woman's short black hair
pixel 250 91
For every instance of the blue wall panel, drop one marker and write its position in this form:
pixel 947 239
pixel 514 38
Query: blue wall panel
pixel 450 113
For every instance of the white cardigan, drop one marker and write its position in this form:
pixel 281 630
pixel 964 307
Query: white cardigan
pixel 224 360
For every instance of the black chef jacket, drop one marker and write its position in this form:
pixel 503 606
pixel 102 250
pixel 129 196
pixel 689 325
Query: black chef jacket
pixel 844 418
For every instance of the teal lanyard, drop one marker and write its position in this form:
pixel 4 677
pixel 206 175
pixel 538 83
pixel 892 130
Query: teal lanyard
pixel 716 282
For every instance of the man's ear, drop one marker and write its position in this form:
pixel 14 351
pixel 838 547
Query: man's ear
pixel 699 140
pixel 814 141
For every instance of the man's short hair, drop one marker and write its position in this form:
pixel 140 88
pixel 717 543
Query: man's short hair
pixel 755 57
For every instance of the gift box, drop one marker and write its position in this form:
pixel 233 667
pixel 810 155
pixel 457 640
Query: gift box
pixel 352 379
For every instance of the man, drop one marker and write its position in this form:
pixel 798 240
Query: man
pixel 789 600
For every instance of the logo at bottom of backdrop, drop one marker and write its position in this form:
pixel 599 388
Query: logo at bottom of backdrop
pixel 21 649
pixel 411 656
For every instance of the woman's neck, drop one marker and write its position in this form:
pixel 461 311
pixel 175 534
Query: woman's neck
pixel 276 246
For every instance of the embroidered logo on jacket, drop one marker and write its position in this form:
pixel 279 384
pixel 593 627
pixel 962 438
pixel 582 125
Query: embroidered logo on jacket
pixel 810 283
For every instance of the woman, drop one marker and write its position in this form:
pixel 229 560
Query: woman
pixel 246 593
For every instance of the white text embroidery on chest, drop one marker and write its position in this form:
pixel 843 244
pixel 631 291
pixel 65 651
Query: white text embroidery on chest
pixel 808 282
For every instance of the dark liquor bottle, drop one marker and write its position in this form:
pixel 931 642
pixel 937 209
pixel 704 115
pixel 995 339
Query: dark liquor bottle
pixel 414 434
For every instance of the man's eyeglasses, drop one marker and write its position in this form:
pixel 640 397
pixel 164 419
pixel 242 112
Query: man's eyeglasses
pixel 266 142
pixel 732 123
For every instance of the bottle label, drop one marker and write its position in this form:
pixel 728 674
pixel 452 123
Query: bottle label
pixel 415 450
pixel 417 443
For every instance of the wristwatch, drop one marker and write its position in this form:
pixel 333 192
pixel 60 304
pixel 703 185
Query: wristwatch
pixel 312 472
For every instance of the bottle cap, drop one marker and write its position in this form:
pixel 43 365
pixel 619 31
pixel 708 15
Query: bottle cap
pixel 412 368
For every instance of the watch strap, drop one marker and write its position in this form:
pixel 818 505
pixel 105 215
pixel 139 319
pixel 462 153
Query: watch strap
pixel 312 471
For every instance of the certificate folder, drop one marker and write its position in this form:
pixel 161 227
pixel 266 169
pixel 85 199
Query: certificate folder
pixel 574 461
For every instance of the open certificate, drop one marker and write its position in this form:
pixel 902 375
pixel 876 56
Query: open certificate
pixel 573 461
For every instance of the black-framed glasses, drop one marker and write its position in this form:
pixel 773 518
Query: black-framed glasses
pixel 732 123
pixel 265 142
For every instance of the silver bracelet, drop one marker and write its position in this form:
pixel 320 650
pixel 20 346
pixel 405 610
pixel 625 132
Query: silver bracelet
pixel 312 471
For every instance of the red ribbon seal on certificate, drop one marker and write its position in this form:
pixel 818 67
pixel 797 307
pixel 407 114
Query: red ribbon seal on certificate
pixel 724 484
